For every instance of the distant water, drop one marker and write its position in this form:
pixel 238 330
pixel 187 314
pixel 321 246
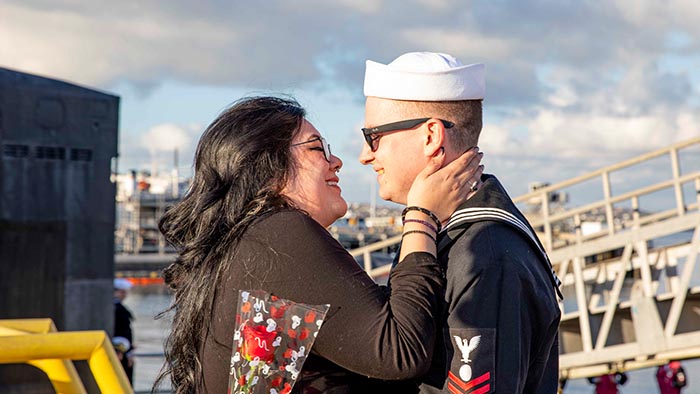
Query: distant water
pixel 145 302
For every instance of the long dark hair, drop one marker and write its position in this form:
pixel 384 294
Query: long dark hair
pixel 241 165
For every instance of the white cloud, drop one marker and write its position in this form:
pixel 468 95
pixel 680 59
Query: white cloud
pixel 168 137
pixel 495 139
pixel 565 81
pixel 363 6
pixel 458 42
pixel 155 148
pixel 680 14
pixel 561 136
pixel 102 49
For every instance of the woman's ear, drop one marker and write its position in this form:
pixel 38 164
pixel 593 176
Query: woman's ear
pixel 435 137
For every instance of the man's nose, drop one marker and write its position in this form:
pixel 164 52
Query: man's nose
pixel 366 155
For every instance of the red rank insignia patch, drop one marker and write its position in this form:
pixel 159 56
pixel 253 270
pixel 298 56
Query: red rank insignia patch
pixel 478 385
pixel 472 369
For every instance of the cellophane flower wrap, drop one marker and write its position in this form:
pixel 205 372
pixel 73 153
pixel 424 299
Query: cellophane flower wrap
pixel 273 337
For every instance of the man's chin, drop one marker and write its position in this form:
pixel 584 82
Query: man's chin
pixel 389 197
pixel 384 195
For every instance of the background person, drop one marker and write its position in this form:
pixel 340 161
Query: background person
pixel 608 384
pixel 123 336
pixel 671 377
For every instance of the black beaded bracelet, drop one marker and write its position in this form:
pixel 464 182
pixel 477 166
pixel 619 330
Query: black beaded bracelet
pixel 425 211
pixel 423 222
pixel 421 232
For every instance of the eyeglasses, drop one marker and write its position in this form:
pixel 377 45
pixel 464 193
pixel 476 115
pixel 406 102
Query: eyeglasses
pixel 370 132
pixel 324 146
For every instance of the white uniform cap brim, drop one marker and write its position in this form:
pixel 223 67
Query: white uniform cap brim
pixel 458 83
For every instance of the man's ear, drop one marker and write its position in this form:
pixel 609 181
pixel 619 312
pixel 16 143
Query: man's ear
pixel 435 137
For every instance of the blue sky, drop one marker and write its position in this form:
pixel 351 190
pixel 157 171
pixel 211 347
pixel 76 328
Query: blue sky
pixel 571 85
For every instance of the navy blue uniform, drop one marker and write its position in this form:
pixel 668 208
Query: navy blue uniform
pixel 501 316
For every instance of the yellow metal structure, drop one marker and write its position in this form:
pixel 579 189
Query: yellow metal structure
pixel 36 342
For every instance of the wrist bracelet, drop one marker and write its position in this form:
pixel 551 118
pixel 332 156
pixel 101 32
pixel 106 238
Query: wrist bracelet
pixel 425 211
pixel 423 222
pixel 419 232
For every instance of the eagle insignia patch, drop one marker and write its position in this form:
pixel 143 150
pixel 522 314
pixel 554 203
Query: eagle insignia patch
pixel 472 369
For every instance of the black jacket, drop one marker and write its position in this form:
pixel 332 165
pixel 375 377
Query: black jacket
pixel 501 317
pixel 367 330
pixel 122 321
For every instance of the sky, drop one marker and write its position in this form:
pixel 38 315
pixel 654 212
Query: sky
pixel 572 86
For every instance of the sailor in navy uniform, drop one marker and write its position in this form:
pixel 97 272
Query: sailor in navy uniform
pixel 501 313
pixel 500 331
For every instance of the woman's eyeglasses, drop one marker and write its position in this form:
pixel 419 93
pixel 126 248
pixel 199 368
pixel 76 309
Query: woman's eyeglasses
pixel 324 145
pixel 371 136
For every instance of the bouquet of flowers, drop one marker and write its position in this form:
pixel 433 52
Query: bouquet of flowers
pixel 271 342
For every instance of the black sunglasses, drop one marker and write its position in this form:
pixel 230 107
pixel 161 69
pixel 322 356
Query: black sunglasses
pixel 372 138
pixel 326 147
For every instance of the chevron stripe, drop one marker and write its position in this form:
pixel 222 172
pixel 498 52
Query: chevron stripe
pixel 482 390
pixel 452 388
pixel 457 386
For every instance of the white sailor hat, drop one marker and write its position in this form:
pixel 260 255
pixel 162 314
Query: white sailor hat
pixel 121 284
pixel 425 76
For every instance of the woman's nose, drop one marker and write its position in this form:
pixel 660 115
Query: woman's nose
pixel 336 162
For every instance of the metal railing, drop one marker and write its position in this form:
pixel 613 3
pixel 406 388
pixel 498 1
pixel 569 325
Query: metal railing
pixel 36 342
pixel 366 253
pixel 546 218
pixel 629 302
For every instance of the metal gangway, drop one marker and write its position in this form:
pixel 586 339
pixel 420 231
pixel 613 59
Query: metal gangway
pixel 627 260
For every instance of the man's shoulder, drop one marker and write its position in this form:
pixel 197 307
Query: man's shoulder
pixel 489 237
pixel 488 246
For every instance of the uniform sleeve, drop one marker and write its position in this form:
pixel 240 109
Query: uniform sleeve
pixel 387 335
pixel 489 318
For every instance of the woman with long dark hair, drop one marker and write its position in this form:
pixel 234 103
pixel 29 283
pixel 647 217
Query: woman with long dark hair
pixel 265 186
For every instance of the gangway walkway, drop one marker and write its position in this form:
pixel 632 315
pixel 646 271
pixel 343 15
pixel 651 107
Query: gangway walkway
pixel 632 288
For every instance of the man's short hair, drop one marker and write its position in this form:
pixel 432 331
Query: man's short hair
pixel 465 114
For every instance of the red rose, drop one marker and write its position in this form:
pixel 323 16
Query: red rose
pixel 257 342
pixel 304 333
pixel 291 333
